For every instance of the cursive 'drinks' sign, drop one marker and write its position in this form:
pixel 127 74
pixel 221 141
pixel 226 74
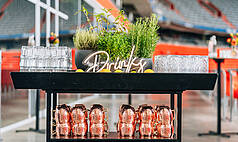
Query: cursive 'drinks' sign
pixel 95 65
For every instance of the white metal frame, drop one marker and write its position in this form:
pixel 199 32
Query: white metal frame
pixel 79 14
pixel 224 100
pixel 49 9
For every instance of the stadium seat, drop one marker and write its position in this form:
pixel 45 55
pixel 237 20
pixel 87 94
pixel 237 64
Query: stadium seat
pixel 229 9
pixel 194 14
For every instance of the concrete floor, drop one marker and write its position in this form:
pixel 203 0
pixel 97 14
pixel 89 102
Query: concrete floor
pixel 199 115
pixel 15 105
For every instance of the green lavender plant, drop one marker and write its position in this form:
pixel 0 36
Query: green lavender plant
pixel 116 44
pixel 85 39
pixel 143 35
pixel 113 40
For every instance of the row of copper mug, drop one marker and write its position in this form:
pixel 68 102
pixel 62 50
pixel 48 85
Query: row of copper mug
pixel 74 121
pixel 146 120
pixel 149 121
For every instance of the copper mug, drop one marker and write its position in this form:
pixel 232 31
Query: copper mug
pixel 98 125
pixel 97 114
pixel 146 129
pixel 164 115
pixel 146 114
pixel 80 129
pixel 125 129
pixel 146 117
pixel 79 114
pixel 127 114
pixel 140 107
pixel 62 114
pixel 63 129
pixel 138 111
pixel 165 131
pixel 98 129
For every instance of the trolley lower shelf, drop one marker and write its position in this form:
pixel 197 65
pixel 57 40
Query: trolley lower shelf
pixel 112 137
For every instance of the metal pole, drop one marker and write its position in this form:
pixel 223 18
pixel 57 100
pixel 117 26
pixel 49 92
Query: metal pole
pixel 37 109
pixel 57 18
pixel 37 23
pixel 129 98
pixel 47 23
pixel 172 101
pixel 29 104
pixel 48 117
pixel 37 39
pixel 55 99
pixel 79 13
pixel 218 133
pixel 172 107
pixel 219 96
pixel 179 118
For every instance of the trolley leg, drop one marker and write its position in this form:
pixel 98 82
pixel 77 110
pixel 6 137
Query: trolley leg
pixel 37 108
pixel 179 118
pixel 172 108
pixel 55 100
pixel 172 101
pixel 129 98
pixel 48 118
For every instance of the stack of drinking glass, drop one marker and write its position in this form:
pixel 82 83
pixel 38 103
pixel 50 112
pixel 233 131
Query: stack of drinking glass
pixel 40 59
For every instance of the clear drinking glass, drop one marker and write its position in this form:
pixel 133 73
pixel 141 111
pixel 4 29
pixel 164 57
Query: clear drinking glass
pixel 23 64
pixel 39 53
pixel 47 59
pixel 69 64
pixel 24 50
pixel 26 55
pixel 39 58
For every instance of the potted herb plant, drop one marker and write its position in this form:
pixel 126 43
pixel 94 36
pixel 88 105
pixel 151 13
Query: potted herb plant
pixel 118 38
pixel 113 37
pixel 86 42
pixel 143 35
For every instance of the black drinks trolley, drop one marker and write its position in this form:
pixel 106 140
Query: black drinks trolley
pixel 135 83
